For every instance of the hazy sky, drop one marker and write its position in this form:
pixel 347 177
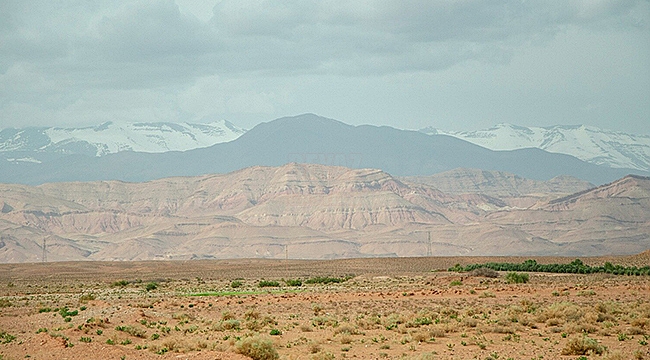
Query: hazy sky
pixel 409 64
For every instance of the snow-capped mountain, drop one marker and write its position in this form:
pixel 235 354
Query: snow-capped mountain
pixel 591 144
pixel 33 144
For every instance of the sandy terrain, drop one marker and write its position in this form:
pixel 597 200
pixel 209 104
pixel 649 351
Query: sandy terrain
pixel 392 308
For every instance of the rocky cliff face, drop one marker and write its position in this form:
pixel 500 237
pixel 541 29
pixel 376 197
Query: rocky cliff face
pixel 498 183
pixel 317 211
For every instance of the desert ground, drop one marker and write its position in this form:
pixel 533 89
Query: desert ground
pixel 383 308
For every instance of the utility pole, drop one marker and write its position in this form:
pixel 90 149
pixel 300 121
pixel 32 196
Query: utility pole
pixel 44 258
pixel 286 259
pixel 428 244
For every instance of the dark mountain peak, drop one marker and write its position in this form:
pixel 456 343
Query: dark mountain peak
pixel 307 121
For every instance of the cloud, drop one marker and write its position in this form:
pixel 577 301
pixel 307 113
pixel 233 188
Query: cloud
pixel 55 56
pixel 290 36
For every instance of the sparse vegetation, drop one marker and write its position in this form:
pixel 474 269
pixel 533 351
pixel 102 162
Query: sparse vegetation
pixel 408 316
pixel 583 345
pixel 151 286
pixel 6 338
pixel 268 283
pixel 86 298
pixel 328 280
pixel 516 278
pixel 575 267
pixel 257 348
pixel 121 283
pixel 293 282
pixel 133 331
pixel 66 313
pixel 485 272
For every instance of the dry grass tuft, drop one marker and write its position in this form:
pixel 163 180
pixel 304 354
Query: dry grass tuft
pixel 485 272
pixel 561 312
pixel 583 345
pixel 257 348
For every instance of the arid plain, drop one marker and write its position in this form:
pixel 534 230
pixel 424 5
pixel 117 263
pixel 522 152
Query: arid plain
pixel 393 308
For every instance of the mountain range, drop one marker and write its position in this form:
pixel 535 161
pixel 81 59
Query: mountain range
pixel 39 144
pixel 318 211
pixel 591 144
pixel 310 138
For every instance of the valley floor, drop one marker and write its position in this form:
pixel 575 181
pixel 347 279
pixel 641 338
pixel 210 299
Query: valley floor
pixel 391 308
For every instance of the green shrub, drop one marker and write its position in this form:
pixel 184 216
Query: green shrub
pixel 257 348
pixel 120 283
pixel 236 284
pixel 275 332
pixel 423 321
pixel 328 280
pixel 516 278
pixel 6 338
pixel 575 267
pixel 456 268
pixel 65 313
pixel 151 286
pixel 132 331
pixel 293 282
pixel 268 283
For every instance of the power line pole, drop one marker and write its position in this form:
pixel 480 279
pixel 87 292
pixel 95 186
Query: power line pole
pixel 44 258
pixel 286 259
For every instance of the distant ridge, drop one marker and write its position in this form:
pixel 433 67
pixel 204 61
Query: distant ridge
pixel 310 138
pixel 37 144
pixel 498 183
pixel 619 182
pixel 317 212
pixel 597 146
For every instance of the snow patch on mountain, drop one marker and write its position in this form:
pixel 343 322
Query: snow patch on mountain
pixel 591 144
pixel 112 137
pixel 24 160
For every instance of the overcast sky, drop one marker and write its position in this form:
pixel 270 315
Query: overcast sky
pixel 454 65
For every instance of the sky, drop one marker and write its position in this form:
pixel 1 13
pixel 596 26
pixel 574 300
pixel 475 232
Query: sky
pixel 452 65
